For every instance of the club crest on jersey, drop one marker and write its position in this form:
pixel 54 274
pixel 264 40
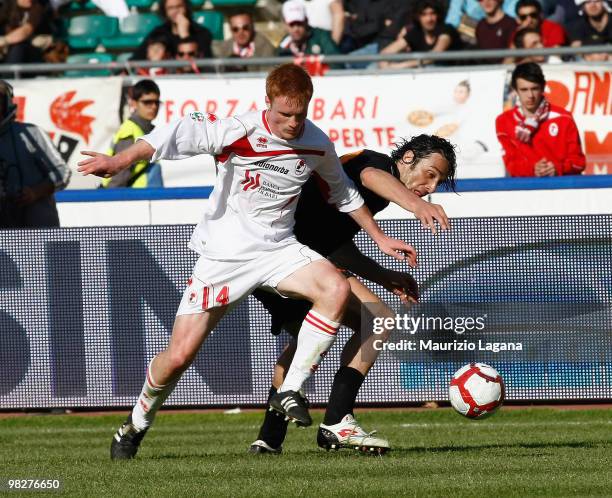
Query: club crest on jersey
pixel 300 167
pixel 262 142
pixel 197 116
pixel 553 129
pixel 200 116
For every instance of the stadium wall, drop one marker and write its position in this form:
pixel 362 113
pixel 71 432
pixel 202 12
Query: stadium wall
pixel 83 310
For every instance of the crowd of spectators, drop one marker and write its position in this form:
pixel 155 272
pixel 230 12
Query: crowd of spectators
pixel 29 29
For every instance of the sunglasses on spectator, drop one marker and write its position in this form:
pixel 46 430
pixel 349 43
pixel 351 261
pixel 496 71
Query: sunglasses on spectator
pixel 187 54
pixel 296 23
pixel 150 102
pixel 533 15
pixel 246 27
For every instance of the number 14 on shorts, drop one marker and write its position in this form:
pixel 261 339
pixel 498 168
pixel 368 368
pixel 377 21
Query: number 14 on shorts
pixel 207 296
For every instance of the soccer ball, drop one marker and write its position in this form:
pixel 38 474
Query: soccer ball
pixel 476 390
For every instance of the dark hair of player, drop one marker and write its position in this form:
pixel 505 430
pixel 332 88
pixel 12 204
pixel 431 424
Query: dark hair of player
pixel 142 88
pixel 528 3
pixel 289 81
pixel 423 146
pixel 529 71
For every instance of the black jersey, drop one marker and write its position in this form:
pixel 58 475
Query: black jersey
pixel 318 224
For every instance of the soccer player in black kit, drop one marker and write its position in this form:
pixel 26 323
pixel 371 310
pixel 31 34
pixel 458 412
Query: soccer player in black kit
pixel 413 170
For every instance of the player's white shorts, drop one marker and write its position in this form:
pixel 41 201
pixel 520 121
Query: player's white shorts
pixel 218 283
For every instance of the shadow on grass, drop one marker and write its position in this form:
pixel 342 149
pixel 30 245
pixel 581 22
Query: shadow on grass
pixel 531 446
pixel 396 451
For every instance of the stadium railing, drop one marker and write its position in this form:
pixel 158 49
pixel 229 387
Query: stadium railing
pixel 17 70
pixel 465 185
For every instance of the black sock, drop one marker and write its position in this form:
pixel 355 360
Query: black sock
pixel 343 394
pixel 274 427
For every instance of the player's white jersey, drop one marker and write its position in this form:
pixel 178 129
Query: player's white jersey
pixel 258 182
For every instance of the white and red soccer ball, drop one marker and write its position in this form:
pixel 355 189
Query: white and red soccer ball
pixel 476 390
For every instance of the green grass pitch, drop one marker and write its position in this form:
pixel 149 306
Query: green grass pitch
pixel 519 452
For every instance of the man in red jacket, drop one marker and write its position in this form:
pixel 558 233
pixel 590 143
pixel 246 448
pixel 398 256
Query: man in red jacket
pixel 538 138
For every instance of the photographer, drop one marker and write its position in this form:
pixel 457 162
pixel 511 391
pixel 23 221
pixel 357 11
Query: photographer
pixel 31 170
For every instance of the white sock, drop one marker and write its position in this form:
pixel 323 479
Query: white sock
pixel 150 400
pixel 316 337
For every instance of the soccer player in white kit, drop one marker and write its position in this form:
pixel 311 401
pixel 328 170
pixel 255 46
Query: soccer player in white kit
pixel 245 239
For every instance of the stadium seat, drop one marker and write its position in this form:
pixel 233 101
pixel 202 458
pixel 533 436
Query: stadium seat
pixel 140 4
pixel 132 30
pixel 212 20
pixel 93 59
pixel 232 3
pixel 123 57
pixel 84 32
pixel 89 5
pixel 196 3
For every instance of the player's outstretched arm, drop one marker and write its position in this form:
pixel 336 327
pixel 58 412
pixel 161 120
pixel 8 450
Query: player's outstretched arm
pixel 390 246
pixel 402 284
pixel 390 188
pixel 106 166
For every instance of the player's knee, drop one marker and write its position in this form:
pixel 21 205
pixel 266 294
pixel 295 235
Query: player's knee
pixel 179 361
pixel 337 292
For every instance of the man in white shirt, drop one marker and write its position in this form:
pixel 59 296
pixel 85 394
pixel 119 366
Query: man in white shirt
pixel 245 239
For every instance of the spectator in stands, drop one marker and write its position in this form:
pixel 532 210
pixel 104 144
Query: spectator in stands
pixel 24 30
pixel 598 56
pixel 459 10
pixel 564 12
pixel 529 38
pixel 143 98
pixel 31 170
pixel 246 42
pixel 177 26
pixel 496 29
pixel 538 138
pixel 327 15
pixel 302 39
pixel 428 33
pixel 529 15
pixel 187 50
pixel 159 48
pixel 364 21
pixel 397 15
pixel 111 8
pixel 594 25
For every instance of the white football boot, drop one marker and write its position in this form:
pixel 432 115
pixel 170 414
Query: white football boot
pixel 348 434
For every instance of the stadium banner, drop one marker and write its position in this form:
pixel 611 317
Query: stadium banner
pixel 371 111
pixel 78 113
pixel 587 93
pixel 84 310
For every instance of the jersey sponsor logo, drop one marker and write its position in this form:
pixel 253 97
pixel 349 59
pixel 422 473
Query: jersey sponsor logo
pixel 250 182
pixel 553 129
pixel 300 167
pixel 272 167
pixel 262 142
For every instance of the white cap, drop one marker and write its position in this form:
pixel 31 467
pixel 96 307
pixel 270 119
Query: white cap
pixel 294 11
pixel 606 5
